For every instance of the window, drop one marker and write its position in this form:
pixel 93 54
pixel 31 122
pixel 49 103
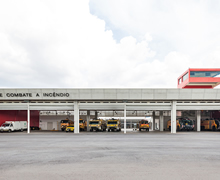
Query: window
pixel 204 73
pixel 207 74
pixel 180 81
pixel 185 76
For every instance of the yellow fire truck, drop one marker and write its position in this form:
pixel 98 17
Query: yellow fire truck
pixel 209 124
pixel 82 125
pixel 97 125
pixel 65 123
pixel 144 124
pixel 113 125
pixel 177 125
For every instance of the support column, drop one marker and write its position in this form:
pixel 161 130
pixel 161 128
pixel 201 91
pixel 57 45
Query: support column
pixel 125 118
pixel 96 115
pixel 173 117
pixel 88 118
pixel 198 120
pixel 154 127
pixel 28 119
pixel 161 120
pixel 76 117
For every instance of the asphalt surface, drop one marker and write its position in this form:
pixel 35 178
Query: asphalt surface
pixel 110 155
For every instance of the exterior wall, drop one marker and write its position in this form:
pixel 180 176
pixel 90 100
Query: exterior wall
pixel 17 115
pixel 106 94
pixel 216 114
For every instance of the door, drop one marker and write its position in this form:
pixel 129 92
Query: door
pixel 49 125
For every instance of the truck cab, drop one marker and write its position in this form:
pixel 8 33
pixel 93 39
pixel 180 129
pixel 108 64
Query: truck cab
pixel 178 127
pixel 82 125
pixel 143 124
pixel 65 123
pixel 97 125
pixel 209 124
pixel 113 125
pixel 7 127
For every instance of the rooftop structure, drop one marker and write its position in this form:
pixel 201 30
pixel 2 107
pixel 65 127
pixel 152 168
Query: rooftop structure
pixel 199 78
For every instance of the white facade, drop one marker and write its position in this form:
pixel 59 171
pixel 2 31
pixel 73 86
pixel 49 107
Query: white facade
pixel 109 99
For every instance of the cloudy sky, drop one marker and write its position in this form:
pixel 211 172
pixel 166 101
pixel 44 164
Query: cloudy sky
pixel 106 43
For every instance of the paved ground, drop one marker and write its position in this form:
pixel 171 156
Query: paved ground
pixel 110 155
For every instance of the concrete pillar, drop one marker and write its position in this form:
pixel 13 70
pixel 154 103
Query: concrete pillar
pixel 28 119
pixel 198 120
pixel 125 118
pixel 154 126
pixel 88 118
pixel 161 120
pixel 96 115
pixel 76 117
pixel 173 117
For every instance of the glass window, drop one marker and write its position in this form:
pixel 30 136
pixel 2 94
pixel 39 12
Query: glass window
pixel 205 74
pixel 94 122
pixel 185 76
pixel 180 81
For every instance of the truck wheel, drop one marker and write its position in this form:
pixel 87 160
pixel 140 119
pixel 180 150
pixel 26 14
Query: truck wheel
pixel 139 129
pixel 213 128
pixel 21 130
pixel 108 130
pixel 9 130
pixel 148 129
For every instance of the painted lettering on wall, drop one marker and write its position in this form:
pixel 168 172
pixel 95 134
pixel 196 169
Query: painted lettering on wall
pixel 19 94
pixel 54 94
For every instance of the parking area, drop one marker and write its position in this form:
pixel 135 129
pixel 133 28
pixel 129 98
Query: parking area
pixel 109 155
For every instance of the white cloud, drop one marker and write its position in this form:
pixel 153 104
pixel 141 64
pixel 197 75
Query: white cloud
pixel 61 44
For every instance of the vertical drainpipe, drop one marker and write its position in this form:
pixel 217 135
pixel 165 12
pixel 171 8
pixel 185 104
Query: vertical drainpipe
pixel 28 118
pixel 124 118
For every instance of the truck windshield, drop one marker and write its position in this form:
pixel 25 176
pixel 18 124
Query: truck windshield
pixel 5 125
pixel 80 121
pixel 144 122
pixel 64 121
pixel 112 122
pixel 94 122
